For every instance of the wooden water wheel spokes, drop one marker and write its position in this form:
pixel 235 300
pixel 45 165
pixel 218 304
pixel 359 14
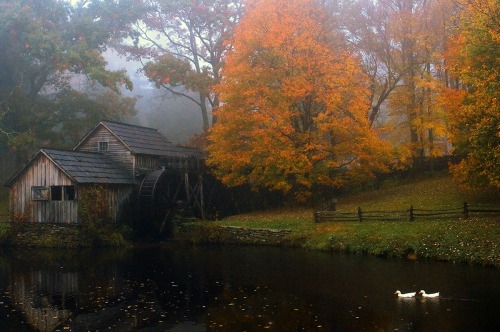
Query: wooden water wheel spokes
pixel 194 192
pixel 165 193
pixel 159 194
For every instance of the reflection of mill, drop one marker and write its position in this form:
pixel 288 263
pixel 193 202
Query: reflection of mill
pixel 47 298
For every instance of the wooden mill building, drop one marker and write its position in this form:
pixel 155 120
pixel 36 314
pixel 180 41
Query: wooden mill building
pixel 119 158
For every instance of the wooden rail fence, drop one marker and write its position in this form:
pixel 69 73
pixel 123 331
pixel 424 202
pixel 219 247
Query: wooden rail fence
pixel 410 214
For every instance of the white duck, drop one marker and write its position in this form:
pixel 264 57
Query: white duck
pixel 424 294
pixel 405 294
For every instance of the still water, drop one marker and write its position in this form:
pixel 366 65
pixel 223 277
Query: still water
pixel 206 288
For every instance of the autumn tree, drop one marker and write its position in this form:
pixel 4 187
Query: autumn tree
pixel 418 28
pixel 400 44
pixel 48 48
pixel 366 24
pixel 474 58
pixel 295 103
pixel 182 44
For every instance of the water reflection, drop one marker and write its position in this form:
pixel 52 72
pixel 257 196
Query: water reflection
pixel 179 288
pixel 47 299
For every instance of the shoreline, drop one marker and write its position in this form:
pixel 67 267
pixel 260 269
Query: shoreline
pixel 465 242
pixel 411 249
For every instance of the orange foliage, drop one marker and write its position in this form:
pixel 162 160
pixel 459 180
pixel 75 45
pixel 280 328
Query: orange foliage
pixel 474 57
pixel 295 104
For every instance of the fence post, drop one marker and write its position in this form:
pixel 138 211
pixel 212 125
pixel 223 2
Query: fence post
pixel 360 214
pixel 412 216
pixel 466 210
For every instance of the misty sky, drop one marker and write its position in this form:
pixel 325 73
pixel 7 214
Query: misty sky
pixel 176 118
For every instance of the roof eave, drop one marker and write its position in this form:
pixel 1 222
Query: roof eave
pixel 117 137
pixel 58 166
pixel 86 136
pixel 101 123
pixel 21 170
pixel 30 161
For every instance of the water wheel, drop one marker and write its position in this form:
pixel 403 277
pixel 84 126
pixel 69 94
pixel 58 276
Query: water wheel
pixel 168 194
pixel 160 194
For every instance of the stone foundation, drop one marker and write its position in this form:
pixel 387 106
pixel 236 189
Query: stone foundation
pixel 206 233
pixel 46 235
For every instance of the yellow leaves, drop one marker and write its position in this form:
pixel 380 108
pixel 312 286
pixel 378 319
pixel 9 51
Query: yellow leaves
pixel 294 104
pixel 475 58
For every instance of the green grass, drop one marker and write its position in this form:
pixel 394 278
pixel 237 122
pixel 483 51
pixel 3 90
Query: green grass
pixel 439 192
pixel 472 241
pixel 298 219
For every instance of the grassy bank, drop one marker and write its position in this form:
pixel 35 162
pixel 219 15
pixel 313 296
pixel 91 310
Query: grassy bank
pixel 473 240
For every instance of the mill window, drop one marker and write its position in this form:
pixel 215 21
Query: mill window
pixel 63 193
pixel 39 193
pixel 103 146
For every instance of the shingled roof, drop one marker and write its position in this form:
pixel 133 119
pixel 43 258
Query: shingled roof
pixel 84 167
pixel 143 140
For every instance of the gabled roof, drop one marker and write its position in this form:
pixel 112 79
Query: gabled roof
pixel 143 140
pixel 83 167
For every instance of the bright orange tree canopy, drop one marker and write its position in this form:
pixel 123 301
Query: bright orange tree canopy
pixel 295 104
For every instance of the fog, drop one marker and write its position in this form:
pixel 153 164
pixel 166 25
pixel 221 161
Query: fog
pixel 175 117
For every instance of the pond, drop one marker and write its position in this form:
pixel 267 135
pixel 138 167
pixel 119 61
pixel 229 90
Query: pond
pixel 233 288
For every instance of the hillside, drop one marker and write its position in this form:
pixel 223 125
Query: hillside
pixel 431 193
pixel 438 192
pixel 455 239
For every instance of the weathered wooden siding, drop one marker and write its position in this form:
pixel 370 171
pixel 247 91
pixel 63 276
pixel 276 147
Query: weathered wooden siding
pixel 116 196
pixel 41 173
pixel 146 163
pixel 44 173
pixel 116 149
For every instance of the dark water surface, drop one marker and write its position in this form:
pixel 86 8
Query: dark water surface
pixel 184 288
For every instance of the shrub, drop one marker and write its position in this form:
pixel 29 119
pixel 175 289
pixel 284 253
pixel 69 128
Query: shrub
pixel 96 221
